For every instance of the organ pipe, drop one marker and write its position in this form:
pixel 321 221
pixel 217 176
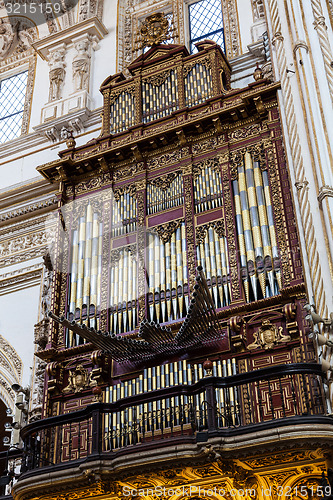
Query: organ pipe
pixel 123 290
pixel 198 85
pixel 85 271
pixel 167 276
pixel 159 199
pixel 122 112
pixel 159 99
pixel 261 274
pixel 207 189
pixel 171 411
pixel 124 214
pixel 212 255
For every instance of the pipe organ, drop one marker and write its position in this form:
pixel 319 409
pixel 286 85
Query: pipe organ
pixel 182 252
pixel 259 258
pixel 177 348
pixel 153 93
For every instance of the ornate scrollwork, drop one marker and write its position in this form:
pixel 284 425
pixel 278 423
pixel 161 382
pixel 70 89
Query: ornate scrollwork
pixel 165 181
pixel 278 215
pixel 201 231
pixel 116 253
pixel 258 154
pixel 78 379
pixel 205 62
pixel 166 230
pixel 130 189
pixel 246 132
pixel 230 224
pixel 211 163
pixel 92 184
pixel 105 265
pixel 236 158
pixel 191 254
pixel 165 159
pixel 116 93
pixel 208 145
pixel 115 256
pixel 141 253
pixel 155 29
pixel 267 336
pixel 157 80
pixel 128 171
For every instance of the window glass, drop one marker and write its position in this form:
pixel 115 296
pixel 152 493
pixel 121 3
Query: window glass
pixel 12 97
pixel 206 22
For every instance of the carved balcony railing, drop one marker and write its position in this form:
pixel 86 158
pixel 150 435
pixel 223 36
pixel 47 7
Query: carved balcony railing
pixel 281 395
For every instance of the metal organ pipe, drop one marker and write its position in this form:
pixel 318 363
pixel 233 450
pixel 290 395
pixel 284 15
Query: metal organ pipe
pixel 123 290
pixel 85 272
pixel 212 255
pixel 256 231
pixel 159 199
pixel 167 275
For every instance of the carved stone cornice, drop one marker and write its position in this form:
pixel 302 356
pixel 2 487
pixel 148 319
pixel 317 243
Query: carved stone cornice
pixel 92 27
pixel 19 278
pixel 29 208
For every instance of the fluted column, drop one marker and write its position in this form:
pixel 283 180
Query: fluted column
pixel 303 157
pixel 325 46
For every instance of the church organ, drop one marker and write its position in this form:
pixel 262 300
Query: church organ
pixel 178 307
pixel 180 187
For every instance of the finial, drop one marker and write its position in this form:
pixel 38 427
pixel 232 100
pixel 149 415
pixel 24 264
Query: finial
pixel 258 73
pixel 208 367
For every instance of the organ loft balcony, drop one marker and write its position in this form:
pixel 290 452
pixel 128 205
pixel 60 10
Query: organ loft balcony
pixel 177 337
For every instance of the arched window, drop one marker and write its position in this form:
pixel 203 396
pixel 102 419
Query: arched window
pixel 206 22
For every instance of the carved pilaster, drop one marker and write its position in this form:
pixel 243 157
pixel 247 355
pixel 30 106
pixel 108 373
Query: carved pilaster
pixel 141 235
pixel 230 227
pixel 56 60
pixel 81 64
pixel 105 265
pixel 181 89
pixel 189 223
pixel 277 202
pixel 106 116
